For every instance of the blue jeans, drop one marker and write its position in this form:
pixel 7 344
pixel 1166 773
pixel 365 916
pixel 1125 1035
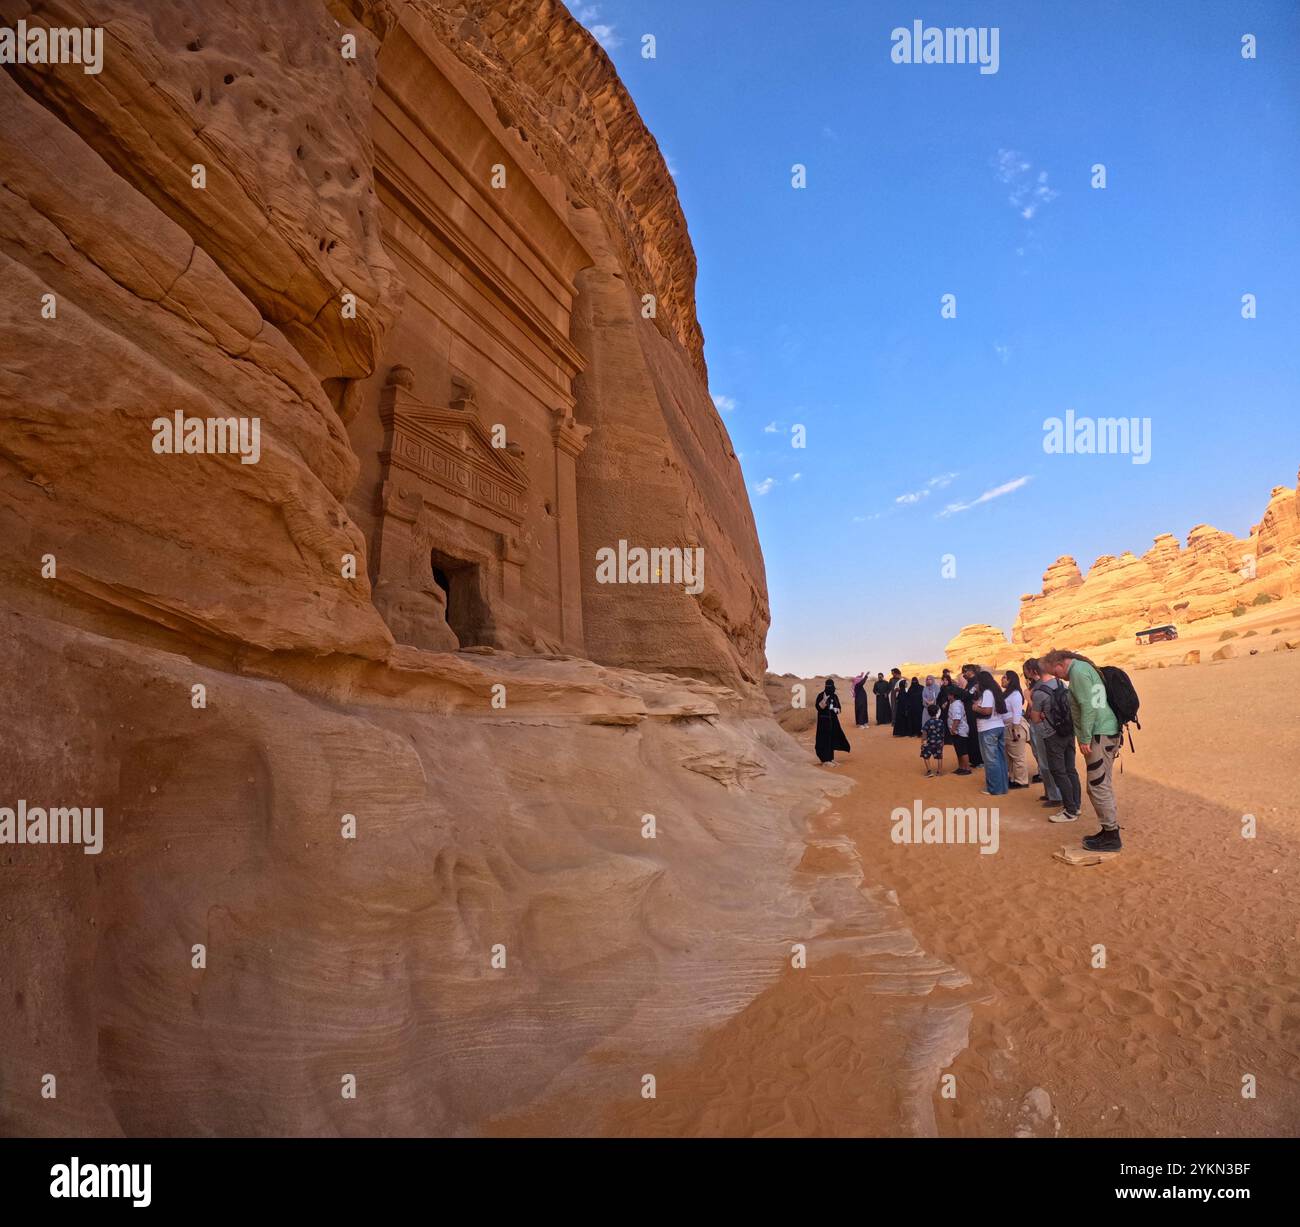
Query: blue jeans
pixel 993 745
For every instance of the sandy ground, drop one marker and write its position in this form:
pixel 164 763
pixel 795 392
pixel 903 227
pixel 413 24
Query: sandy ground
pixel 1201 929
pixel 1201 926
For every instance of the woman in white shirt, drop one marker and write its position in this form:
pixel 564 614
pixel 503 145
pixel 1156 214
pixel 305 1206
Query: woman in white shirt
pixel 1017 731
pixel 989 709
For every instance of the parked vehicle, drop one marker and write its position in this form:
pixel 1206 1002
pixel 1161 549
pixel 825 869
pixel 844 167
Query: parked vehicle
pixel 1157 634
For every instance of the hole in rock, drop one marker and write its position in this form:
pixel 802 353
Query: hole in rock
pixel 460 581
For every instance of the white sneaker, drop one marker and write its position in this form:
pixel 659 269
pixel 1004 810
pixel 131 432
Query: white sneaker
pixel 1062 817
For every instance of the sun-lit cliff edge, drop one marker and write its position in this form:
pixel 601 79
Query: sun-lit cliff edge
pixel 1214 589
pixel 460 882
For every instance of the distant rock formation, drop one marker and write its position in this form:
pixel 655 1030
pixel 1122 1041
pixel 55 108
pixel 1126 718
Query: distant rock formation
pixel 1213 575
pixel 979 644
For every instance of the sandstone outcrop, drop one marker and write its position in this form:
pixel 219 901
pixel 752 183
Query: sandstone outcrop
pixel 374 749
pixel 1213 575
pixel 978 644
pixel 658 468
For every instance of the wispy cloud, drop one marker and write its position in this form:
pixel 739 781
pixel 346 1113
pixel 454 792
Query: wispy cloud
pixel 764 486
pixel 988 496
pixel 795 476
pixel 770 428
pixel 602 32
pixel 724 404
pixel 1003 352
pixel 1030 190
pixel 935 483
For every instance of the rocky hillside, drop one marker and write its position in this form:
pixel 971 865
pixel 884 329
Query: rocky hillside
pixel 1214 583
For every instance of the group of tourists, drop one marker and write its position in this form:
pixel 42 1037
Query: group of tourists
pixel 998 724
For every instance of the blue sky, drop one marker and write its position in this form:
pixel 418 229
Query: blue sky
pixel 924 436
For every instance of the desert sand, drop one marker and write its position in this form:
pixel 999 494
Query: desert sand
pixel 1201 928
pixel 374 744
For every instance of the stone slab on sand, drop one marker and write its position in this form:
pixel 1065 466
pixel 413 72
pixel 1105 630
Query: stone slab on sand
pixel 1081 856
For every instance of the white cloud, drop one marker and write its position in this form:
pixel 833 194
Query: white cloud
pixel 764 486
pixel 724 404
pixel 935 483
pixel 1030 190
pixel 795 476
pixel 1003 352
pixel 602 32
pixel 770 428
pixel 988 496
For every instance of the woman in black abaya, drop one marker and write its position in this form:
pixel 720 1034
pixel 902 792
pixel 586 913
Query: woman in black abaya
pixel 915 708
pixel 860 705
pixel 900 708
pixel 881 691
pixel 830 737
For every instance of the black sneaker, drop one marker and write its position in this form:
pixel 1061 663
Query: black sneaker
pixel 1104 841
pixel 1017 785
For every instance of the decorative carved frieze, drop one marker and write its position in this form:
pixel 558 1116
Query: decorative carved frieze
pixel 450 450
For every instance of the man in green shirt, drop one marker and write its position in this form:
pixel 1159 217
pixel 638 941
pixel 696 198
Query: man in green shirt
pixel 1096 729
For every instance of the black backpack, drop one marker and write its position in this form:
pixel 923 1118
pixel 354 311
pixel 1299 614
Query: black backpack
pixel 1058 712
pixel 1121 698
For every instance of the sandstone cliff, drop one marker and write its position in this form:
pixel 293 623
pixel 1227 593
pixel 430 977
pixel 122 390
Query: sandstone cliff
pixel 200 656
pixel 659 467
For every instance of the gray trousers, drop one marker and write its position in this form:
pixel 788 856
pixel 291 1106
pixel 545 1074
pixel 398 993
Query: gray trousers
pixel 1060 766
pixel 1038 741
pixel 1101 766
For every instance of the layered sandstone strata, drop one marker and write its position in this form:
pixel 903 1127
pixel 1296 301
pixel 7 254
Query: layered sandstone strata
pixel 1209 578
pixel 330 850
pixel 979 644
pixel 658 467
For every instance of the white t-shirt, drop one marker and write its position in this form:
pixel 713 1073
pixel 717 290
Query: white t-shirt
pixel 984 724
pixel 957 716
pixel 1015 708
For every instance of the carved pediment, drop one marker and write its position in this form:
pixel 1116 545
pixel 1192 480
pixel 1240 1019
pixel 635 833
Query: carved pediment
pixel 451 450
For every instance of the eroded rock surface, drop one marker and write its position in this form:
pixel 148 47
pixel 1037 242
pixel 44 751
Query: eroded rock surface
pixel 197 650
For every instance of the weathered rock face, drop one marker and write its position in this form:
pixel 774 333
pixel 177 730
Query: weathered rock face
pixel 116 317
pixel 287 209
pixel 979 644
pixel 658 469
pixel 1213 575
pixel 328 849
pixel 520 830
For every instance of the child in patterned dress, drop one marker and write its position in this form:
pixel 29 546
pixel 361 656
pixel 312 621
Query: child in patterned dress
pixel 932 746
